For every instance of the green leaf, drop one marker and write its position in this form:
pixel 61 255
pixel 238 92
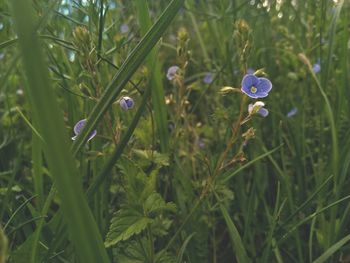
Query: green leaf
pixel 155 203
pixel 126 223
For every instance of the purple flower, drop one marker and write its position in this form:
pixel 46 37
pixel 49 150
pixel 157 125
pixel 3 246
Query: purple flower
pixel 172 72
pixel 292 112
pixel 124 28
pixel 126 103
pixel 255 87
pixel 79 126
pixel 316 67
pixel 250 71
pixel 258 107
pixel 208 78
pixel 201 143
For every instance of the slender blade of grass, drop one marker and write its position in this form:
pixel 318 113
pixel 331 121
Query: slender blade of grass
pixel 83 230
pixel 237 244
pixel 330 251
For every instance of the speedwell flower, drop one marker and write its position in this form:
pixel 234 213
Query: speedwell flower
pixel 316 67
pixel 126 103
pixel 124 28
pixel 258 107
pixel 208 78
pixel 79 126
pixel 172 72
pixel 255 87
pixel 292 112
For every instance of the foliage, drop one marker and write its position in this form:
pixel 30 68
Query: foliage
pixel 195 157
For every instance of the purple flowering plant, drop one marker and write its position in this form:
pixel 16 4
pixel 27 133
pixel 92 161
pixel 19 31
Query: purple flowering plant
pixel 126 103
pixel 172 71
pixel 316 68
pixel 79 126
pixel 292 112
pixel 208 78
pixel 258 107
pixel 256 87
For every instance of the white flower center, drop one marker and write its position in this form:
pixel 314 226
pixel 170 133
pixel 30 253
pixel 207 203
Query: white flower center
pixel 253 89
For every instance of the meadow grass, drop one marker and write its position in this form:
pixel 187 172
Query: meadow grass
pixel 185 174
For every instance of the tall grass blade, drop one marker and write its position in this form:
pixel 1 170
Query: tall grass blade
pixel 82 228
pixel 237 243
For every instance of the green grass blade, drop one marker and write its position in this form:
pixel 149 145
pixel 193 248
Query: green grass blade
pixel 237 243
pixel 313 215
pixel 183 248
pixel 312 196
pixel 227 177
pixel 83 230
pixel 154 66
pixel 127 69
pixel 330 251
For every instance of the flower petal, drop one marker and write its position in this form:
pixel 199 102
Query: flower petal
pixel 261 94
pixel 264 85
pixel 92 135
pixel 263 112
pixel 247 92
pixel 249 80
pixel 250 108
pixel 79 126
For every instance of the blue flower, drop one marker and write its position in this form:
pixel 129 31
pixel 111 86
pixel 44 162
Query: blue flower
pixel 126 103
pixel 124 28
pixel 255 87
pixel 201 143
pixel 208 78
pixel 79 126
pixel 316 67
pixel 292 112
pixel 172 72
pixel 258 107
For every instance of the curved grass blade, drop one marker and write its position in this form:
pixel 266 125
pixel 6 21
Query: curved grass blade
pixel 330 251
pixel 310 217
pixel 126 70
pixel 82 227
pixel 183 248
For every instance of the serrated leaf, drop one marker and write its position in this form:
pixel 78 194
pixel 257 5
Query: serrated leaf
pixel 125 224
pixel 155 203
pixel 153 156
